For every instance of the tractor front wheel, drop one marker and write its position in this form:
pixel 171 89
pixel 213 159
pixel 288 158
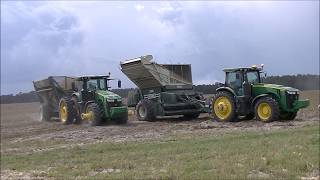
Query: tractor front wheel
pixel 145 110
pixel 223 107
pixel 66 113
pixel 267 109
pixel 93 114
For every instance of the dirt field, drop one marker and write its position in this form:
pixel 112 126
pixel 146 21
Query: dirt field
pixel 23 133
pixel 20 124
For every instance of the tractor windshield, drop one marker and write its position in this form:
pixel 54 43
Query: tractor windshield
pixel 96 84
pixel 253 77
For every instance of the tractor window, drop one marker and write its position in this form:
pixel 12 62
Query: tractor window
pixel 102 84
pixel 253 77
pixel 92 85
pixel 234 80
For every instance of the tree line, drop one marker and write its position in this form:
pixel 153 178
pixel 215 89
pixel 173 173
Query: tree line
pixel 301 82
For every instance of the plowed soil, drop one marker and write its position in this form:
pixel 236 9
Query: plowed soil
pixel 20 125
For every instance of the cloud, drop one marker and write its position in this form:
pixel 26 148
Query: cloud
pixel 39 39
pixel 139 7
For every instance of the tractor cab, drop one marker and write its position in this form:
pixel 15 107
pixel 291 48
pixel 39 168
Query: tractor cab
pixel 240 80
pixel 89 85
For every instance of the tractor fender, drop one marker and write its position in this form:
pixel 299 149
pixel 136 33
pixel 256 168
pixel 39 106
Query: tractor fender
pixel 86 104
pixel 228 89
pixel 254 100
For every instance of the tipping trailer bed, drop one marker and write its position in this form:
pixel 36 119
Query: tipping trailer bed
pixel 52 89
pixel 147 74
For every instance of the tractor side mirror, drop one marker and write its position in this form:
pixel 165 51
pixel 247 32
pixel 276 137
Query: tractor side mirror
pixel 119 83
pixel 73 86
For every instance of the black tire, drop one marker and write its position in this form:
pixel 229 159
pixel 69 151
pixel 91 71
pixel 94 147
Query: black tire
pixel 45 113
pixel 269 116
pixel 66 113
pixel 97 114
pixel 76 109
pixel 217 113
pixel 288 115
pixel 145 110
pixel 191 116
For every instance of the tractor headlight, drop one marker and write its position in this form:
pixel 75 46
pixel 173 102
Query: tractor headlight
pixel 292 92
pixel 110 100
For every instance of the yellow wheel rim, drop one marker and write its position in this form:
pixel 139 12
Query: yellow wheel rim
pixel 222 108
pixel 89 114
pixel 264 111
pixel 63 113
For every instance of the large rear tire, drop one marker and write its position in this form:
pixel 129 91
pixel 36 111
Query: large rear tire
pixel 145 110
pixel 66 111
pixel 95 114
pixel 223 107
pixel 267 109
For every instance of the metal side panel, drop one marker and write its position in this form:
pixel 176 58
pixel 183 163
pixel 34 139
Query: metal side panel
pixel 147 74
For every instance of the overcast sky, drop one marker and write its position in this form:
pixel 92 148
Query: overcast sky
pixel 39 39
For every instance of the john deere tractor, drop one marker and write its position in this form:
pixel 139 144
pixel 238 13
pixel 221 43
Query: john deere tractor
pixel 245 96
pixel 77 99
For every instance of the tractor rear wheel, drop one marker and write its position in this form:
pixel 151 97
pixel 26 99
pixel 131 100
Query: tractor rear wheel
pixel 145 110
pixel 66 112
pixel 45 113
pixel 76 108
pixel 267 109
pixel 94 114
pixel 223 107
pixel 288 115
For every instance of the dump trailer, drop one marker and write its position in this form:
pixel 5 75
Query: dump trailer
pixel 163 89
pixel 78 99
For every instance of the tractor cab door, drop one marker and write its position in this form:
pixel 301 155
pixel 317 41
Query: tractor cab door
pixel 234 80
pixel 251 77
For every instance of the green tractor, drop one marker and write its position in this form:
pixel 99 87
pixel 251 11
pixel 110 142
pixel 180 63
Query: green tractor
pixel 77 99
pixel 245 96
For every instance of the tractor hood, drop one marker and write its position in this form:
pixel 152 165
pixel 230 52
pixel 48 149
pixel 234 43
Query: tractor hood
pixel 109 96
pixel 276 86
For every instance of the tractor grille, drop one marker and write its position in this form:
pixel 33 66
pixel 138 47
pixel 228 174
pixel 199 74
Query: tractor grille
pixel 291 98
pixel 114 104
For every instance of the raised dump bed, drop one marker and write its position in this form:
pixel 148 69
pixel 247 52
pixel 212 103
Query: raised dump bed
pixel 147 74
pixel 164 89
pixel 51 90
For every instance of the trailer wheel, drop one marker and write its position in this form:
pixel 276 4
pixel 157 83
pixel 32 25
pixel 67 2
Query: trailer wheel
pixel 223 107
pixel 267 109
pixel 45 113
pixel 145 110
pixel 94 114
pixel 288 115
pixel 66 112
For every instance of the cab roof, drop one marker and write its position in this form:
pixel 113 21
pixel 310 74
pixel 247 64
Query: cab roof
pixel 253 68
pixel 94 77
